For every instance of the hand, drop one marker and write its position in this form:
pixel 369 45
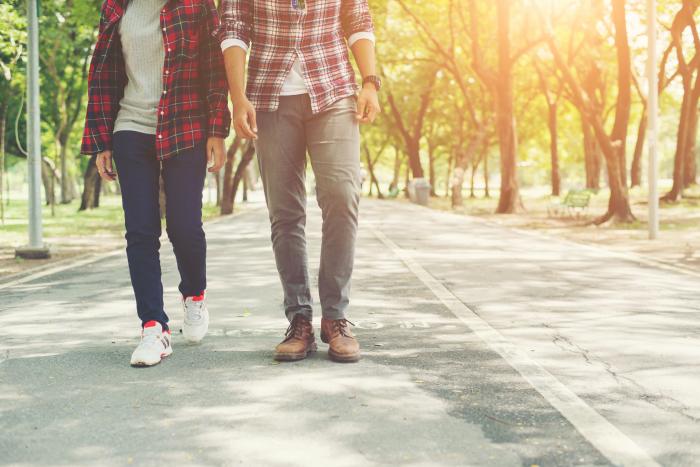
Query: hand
pixel 244 122
pixel 367 104
pixel 216 153
pixel 103 162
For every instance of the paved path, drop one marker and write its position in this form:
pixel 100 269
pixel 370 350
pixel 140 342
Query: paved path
pixel 482 346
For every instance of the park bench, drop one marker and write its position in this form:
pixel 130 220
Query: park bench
pixel 574 203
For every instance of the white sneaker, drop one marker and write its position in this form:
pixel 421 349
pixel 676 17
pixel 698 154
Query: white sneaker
pixel 196 322
pixel 154 346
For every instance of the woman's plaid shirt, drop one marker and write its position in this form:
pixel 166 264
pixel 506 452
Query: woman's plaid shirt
pixel 194 104
pixel 279 31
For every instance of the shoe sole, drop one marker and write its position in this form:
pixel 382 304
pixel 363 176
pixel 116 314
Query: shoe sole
pixel 295 357
pixel 193 340
pixel 344 358
pixel 146 365
pixel 341 358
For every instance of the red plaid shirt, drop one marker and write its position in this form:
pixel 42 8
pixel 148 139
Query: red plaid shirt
pixel 194 103
pixel 278 33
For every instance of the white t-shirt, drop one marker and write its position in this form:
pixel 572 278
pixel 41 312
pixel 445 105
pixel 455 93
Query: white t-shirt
pixel 294 83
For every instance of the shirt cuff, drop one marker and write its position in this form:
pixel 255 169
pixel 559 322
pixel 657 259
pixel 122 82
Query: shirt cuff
pixel 226 43
pixel 359 35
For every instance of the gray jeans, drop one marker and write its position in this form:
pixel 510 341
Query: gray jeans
pixel 332 139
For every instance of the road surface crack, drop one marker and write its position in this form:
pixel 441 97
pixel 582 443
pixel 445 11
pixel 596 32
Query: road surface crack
pixel 658 400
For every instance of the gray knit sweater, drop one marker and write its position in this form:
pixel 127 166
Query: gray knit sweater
pixel 144 56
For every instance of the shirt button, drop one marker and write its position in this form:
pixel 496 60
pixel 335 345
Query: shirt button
pixel 169 49
pixel 165 92
pixel 163 29
pixel 160 136
pixel 162 112
pixel 167 72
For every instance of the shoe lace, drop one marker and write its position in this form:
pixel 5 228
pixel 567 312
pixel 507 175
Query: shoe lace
pixel 151 338
pixel 295 329
pixel 341 327
pixel 193 310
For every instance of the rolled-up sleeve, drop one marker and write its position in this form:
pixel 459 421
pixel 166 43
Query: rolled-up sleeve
pixel 355 17
pixel 236 21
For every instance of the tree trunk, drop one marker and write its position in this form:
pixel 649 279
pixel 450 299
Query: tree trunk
pixel 3 127
pixel 636 170
pixel 505 118
pixel 679 158
pixel 226 206
pixel 397 169
pixel 431 171
pixel 48 177
pixel 92 186
pixel 691 97
pixel 554 149
pixel 413 152
pixel 624 87
pixel 448 175
pixel 373 182
pixel 463 161
pixel 67 192
pixel 690 173
pixel 592 158
pixel 487 193
pixel 228 203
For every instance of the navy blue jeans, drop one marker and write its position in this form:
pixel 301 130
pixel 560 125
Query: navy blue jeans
pixel 139 172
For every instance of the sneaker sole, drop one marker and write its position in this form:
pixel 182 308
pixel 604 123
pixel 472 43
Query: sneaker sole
pixel 294 357
pixel 194 340
pixel 146 365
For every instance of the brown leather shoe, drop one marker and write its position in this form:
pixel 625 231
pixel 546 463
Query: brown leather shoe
pixel 298 341
pixel 342 345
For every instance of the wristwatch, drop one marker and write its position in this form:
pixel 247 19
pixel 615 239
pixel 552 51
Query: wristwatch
pixel 375 80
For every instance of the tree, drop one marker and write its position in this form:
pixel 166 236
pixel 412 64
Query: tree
pixel 12 48
pixel 410 128
pixel 232 178
pixel 68 31
pixel 689 71
pixel 610 144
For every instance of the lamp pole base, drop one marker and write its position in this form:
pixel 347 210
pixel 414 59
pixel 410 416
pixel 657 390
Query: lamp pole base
pixel 30 252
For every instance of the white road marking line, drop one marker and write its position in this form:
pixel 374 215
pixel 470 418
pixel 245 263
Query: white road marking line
pixel 603 435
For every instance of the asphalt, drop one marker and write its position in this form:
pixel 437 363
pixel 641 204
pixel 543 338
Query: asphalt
pixel 620 334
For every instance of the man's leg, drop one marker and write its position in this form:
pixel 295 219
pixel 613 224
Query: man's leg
pixel 138 170
pixel 281 149
pixel 333 139
pixel 183 177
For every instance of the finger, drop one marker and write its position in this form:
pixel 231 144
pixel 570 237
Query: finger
pixel 372 114
pixel 361 108
pixel 253 119
pixel 218 161
pixel 246 132
pixel 103 174
pixel 239 128
pixel 108 163
pixel 210 155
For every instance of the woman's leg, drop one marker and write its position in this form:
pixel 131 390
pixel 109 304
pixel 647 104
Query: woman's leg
pixel 138 170
pixel 184 176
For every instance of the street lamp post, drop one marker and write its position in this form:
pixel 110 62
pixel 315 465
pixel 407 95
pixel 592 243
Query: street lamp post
pixel 653 121
pixel 36 248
